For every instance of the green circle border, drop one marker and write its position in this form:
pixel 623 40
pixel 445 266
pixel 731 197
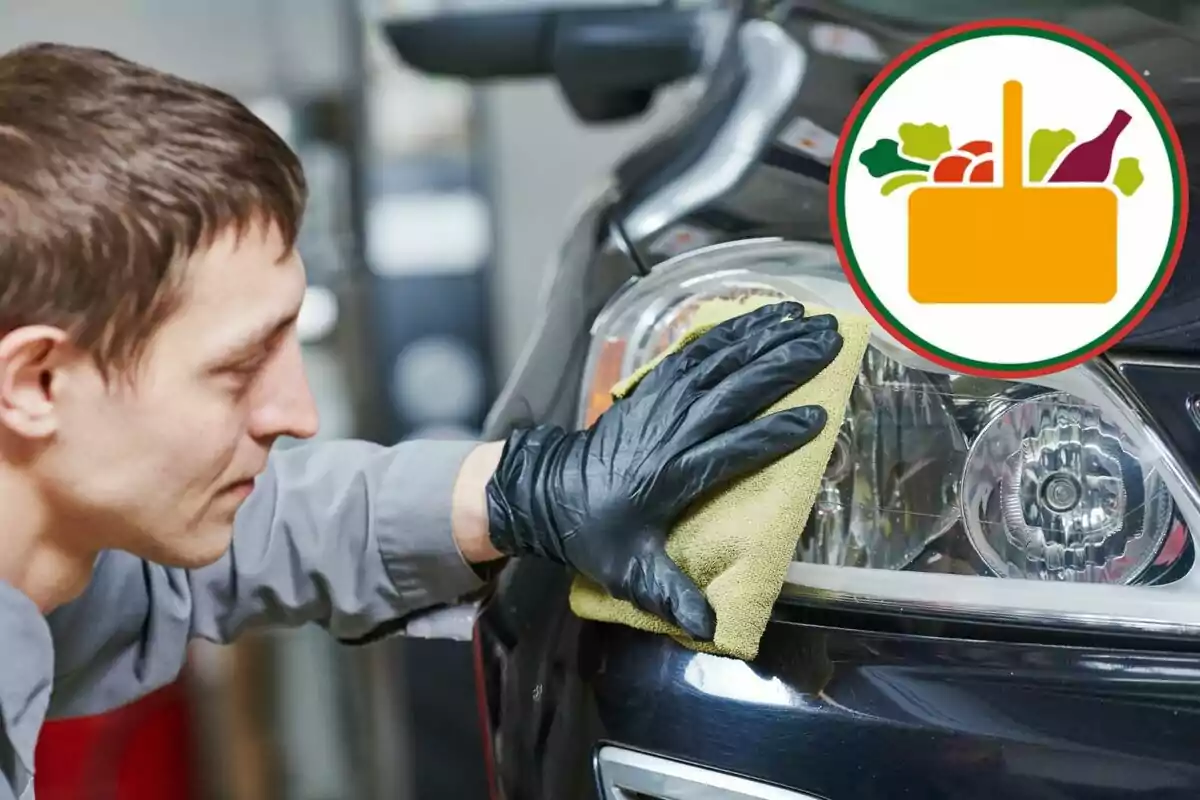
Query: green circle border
pixel 845 163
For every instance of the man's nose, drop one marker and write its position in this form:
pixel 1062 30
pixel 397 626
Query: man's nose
pixel 285 405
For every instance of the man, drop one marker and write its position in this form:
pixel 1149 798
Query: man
pixel 148 361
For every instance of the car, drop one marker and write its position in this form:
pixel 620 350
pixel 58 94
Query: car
pixel 913 653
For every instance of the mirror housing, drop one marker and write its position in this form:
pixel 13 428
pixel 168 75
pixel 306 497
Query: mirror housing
pixel 609 62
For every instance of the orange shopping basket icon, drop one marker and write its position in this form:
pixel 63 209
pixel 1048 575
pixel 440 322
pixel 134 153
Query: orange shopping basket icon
pixel 1012 243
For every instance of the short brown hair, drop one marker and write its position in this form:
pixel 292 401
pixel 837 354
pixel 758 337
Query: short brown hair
pixel 111 173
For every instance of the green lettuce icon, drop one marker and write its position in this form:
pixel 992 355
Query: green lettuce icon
pixel 927 142
pixel 884 158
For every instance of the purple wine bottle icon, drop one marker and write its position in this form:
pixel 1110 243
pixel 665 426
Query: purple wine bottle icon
pixel 1091 161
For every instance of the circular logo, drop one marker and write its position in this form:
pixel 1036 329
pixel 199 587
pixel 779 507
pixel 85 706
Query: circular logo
pixel 1009 198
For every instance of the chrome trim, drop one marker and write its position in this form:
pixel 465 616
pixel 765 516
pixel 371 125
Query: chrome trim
pixel 776 66
pixel 624 771
pixel 973 598
pixel 1121 360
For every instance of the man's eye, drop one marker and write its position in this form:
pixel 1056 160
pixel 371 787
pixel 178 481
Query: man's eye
pixel 242 374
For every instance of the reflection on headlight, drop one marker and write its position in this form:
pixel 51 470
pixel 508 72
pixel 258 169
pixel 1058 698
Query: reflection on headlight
pixel 1052 490
pixel 891 486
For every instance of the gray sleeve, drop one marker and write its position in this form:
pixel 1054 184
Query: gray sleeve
pixel 352 536
pixel 348 535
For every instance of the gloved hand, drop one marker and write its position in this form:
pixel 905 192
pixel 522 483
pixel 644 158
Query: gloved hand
pixel 603 500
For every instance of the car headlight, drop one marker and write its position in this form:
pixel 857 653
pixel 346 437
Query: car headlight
pixel 936 472
pixel 1053 489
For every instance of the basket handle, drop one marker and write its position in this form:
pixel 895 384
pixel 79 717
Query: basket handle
pixel 1013 136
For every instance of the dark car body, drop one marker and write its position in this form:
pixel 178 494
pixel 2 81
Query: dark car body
pixel 848 699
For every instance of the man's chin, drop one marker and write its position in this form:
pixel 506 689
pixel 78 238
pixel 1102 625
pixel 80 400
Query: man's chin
pixel 200 548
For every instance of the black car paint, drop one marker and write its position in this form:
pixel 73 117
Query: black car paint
pixel 856 714
pixel 840 704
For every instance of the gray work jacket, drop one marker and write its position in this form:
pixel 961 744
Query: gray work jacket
pixel 349 535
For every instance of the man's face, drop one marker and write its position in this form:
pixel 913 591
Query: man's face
pixel 160 466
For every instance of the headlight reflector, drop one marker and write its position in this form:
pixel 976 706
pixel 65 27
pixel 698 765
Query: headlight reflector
pixel 1053 490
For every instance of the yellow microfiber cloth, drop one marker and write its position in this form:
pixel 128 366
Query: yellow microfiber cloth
pixel 737 544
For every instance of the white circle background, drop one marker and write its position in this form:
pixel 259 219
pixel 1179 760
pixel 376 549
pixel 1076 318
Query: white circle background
pixel 962 87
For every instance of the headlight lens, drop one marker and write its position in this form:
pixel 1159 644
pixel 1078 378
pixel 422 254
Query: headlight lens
pixel 889 489
pixel 932 472
pixel 1053 490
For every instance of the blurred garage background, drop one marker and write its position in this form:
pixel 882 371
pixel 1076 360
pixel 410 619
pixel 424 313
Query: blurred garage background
pixel 435 208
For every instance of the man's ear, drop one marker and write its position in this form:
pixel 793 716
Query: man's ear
pixel 31 361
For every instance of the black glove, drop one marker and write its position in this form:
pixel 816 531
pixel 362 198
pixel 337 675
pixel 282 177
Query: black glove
pixel 603 500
